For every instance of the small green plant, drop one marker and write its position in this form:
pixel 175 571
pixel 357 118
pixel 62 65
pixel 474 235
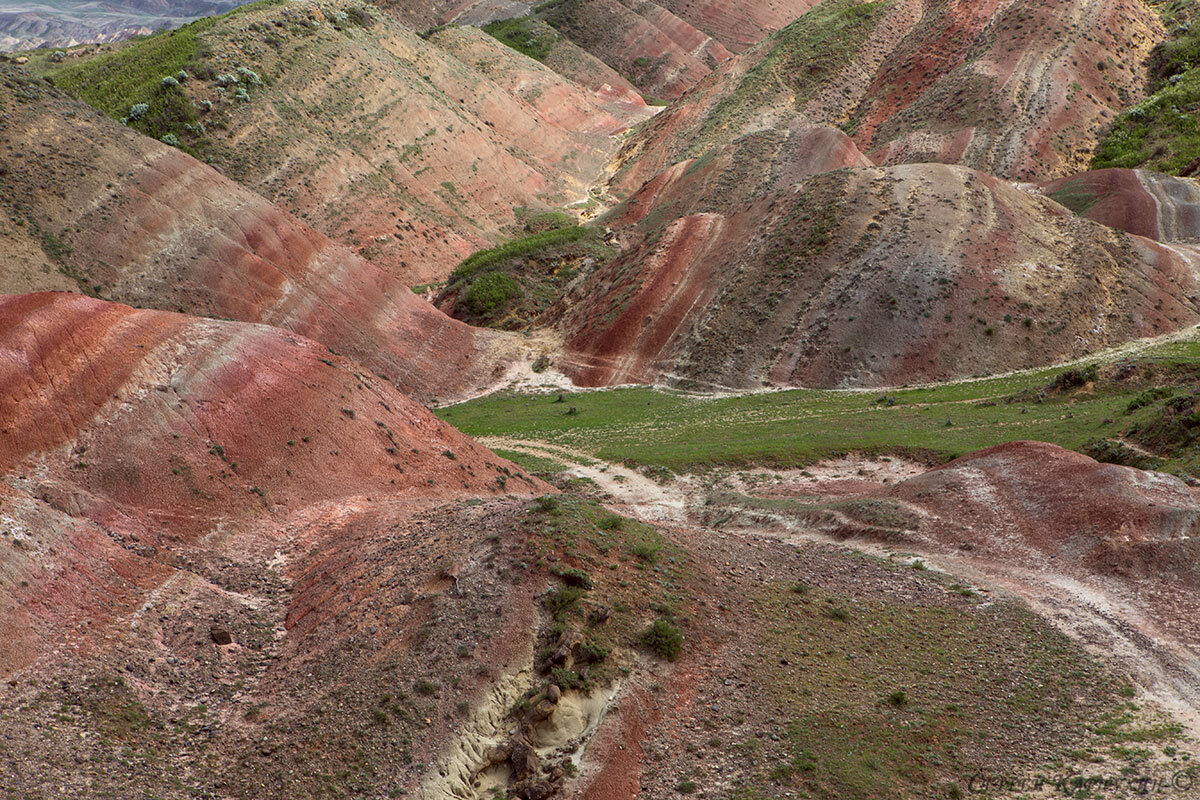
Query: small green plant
pixel 686 787
pixel 611 522
pixel 664 638
pixel 592 653
pixel 426 687
pixel 898 698
pixel 837 612
pixel 560 602
pixel 646 551
pixel 566 678
pixel 574 577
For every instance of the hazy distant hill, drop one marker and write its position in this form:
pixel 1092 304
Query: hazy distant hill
pixel 61 23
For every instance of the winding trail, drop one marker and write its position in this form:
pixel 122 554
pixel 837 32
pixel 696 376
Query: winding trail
pixel 1106 618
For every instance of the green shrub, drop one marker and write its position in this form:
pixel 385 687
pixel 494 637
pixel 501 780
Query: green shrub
pixel 528 245
pixel 574 577
pixel 566 678
pixel 611 522
pixel 647 551
pixel 592 653
pixel 490 292
pixel 249 76
pixel 558 603
pixel 838 613
pixel 525 35
pixel 1147 397
pixel 664 639
pixel 546 503
pixel 1075 377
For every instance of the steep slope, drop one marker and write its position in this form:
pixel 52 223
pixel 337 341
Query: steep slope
pixel 377 137
pixel 735 26
pixel 641 41
pixel 1158 133
pixel 197 517
pixel 1145 203
pixel 536 39
pixel 606 110
pixel 869 277
pixel 660 53
pixel 732 176
pixel 739 25
pixel 134 220
pixel 151 430
pixel 1022 89
pixel 232 566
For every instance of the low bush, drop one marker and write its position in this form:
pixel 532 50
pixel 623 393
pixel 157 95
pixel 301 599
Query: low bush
pixel 664 639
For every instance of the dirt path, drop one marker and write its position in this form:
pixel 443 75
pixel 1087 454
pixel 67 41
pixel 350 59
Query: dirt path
pixel 1107 619
pixel 633 491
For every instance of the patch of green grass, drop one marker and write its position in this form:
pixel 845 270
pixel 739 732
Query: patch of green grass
pixel 511 285
pixel 133 74
pixel 1160 133
pixel 114 82
pixel 993 681
pixel 1075 196
pixel 490 292
pixel 525 35
pixel 525 246
pixel 538 465
pixel 793 428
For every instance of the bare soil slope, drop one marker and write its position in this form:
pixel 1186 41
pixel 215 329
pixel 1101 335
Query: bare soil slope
pixel 1146 203
pixel 106 211
pixel 864 277
pixel 149 429
pixel 661 54
pixel 415 152
pixel 1022 89
pixel 200 516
